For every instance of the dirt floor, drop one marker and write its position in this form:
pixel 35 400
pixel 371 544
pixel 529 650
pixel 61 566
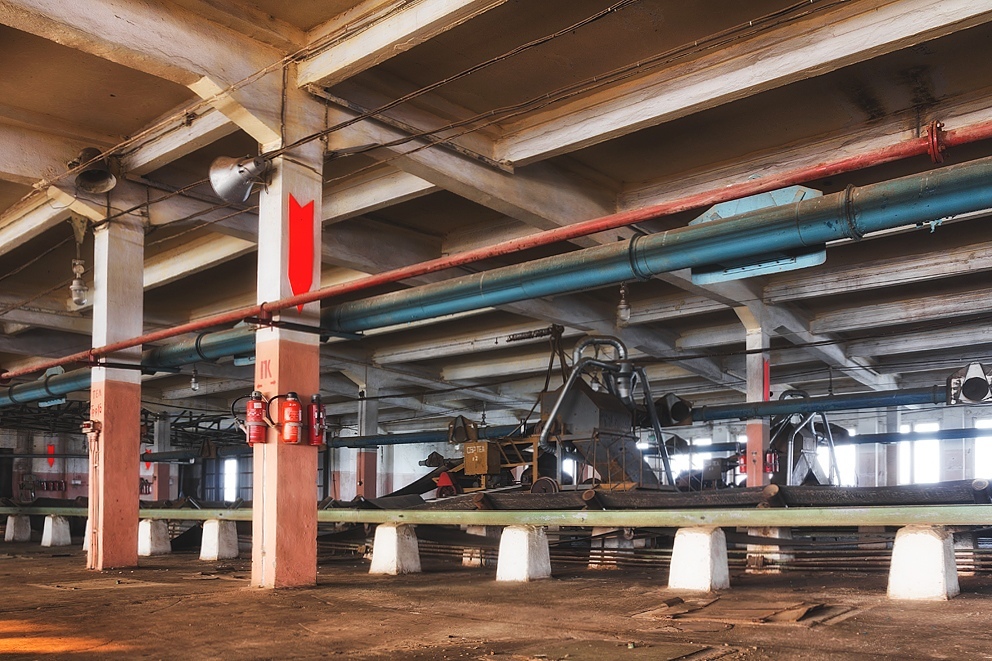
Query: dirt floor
pixel 178 607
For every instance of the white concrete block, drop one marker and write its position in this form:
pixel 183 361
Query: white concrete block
pixel 699 560
pixel 18 528
pixel 395 550
pixel 153 538
pixel 607 545
pixel 56 531
pixel 923 565
pixel 523 554
pixel 87 534
pixel 220 540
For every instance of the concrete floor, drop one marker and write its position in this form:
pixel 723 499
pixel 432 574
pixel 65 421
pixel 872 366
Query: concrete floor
pixel 177 607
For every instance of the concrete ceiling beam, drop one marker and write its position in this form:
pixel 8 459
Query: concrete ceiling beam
pixel 817 44
pixel 380 36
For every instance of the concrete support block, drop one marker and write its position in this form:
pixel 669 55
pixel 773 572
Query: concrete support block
pixel 523 554
pixel 220 540
pixel 608 545
pixel 153 538
pixel 56 531
pixel 923 565
pixel 18 528
pixel 699 560
pixel 86 536
pixel 395 550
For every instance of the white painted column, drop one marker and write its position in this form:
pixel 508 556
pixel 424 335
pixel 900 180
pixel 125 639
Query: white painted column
pixel 220 540
pixel 699 560
pixel 395 550
pixel 893 420
pixel 923 565
pixel 153 538
pixel 115 394
pixel 285 475
pixel 523 554
pixel 367 468
pixel 56 531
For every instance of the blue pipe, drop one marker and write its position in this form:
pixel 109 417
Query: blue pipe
pixel 436 436
pixel 206 346
pixel 849 214
pixel 825 404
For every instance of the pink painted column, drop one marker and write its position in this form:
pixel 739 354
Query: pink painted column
pixel 115 395
pixel 284 518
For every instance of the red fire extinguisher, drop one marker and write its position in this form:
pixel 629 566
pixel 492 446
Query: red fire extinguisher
pixel 291 418
pixel 255 418
pixel 316 420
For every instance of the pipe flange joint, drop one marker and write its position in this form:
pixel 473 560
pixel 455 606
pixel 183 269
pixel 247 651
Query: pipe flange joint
pixel 850 215
pixel 640 272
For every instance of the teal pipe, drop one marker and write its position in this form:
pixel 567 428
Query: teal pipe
pixel 849 214
pixel 915 199
pixel 206 346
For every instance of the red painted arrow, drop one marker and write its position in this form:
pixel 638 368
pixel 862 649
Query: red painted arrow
pixel 300 247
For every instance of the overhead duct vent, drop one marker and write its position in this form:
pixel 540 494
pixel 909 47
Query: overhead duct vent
pixel 970 385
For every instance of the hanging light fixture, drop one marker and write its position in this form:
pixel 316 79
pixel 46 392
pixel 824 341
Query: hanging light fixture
pixel 78 288
pixel 194 385
pixel 623 308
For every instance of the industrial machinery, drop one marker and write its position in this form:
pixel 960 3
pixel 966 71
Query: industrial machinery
pixel 588 433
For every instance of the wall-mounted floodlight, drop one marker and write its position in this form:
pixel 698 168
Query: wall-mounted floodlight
pixel 232 178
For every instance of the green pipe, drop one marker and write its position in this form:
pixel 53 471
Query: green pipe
pixel 804 517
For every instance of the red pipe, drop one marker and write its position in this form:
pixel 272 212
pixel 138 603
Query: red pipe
pixel 905 149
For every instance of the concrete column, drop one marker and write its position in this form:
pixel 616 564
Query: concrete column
pixel 523 554
pixel 56 531
pixel 699 560
pixel 220 540
pixel 366 469
pixel 153 538
pixel 18 528
pixel 284 515
pixel 162 474
pixel 395 550
pixel 115 395
pixel 892 423
pixel 923 565
pixel 758 386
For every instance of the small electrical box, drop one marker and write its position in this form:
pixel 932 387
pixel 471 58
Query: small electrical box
pixel 481 458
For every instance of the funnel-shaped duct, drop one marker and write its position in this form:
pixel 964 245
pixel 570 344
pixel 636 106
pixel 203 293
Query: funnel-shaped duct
pixel 970 385
pixel 232 178
pixel 96 177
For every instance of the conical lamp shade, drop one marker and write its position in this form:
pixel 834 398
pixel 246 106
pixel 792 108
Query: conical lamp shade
pixel 96 178
pixel 232 178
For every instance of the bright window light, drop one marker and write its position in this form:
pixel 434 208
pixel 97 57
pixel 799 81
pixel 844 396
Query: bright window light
pixel 230 480
pixel 983 450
